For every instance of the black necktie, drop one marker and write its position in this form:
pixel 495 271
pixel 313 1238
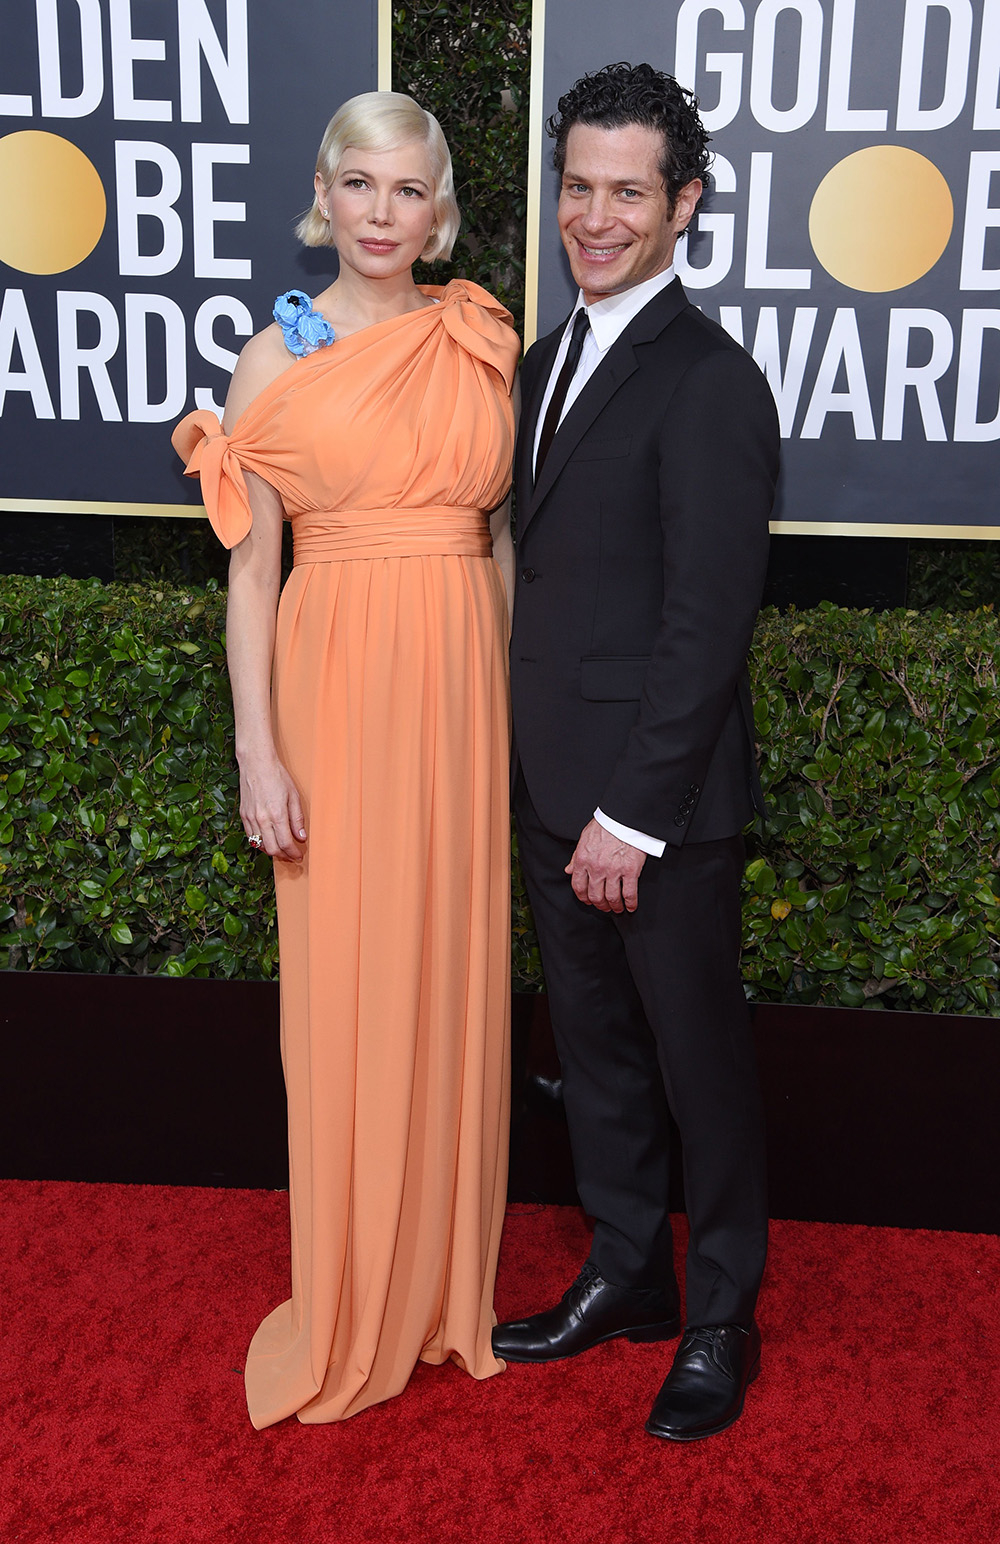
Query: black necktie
pixel 581 326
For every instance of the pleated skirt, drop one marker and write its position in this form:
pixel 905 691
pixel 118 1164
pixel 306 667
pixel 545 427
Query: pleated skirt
pixel 391 714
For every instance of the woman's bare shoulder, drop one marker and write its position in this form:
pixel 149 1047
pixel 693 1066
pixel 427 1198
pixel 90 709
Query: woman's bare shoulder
pixel 261 361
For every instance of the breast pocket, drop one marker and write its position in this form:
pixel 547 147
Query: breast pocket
pixel 613 679
pixel 602 450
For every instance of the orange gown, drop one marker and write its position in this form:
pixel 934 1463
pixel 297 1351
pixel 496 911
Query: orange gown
pixel 390 707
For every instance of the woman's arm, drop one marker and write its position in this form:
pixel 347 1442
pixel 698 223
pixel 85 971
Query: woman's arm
pixel 503 545
pixel 503 548
pixel 269 801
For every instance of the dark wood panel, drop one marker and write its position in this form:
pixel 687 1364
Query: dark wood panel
pixel 889 1119
pixel 882 1118
pixel 149 1080
pixel 876 1118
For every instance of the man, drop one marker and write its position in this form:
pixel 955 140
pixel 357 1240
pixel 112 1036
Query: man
pixel 645 474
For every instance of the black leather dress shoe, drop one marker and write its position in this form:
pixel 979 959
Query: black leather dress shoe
pixel 591 1311
pixel 705 1388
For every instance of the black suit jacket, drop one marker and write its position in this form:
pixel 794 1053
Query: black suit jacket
pixel 641 556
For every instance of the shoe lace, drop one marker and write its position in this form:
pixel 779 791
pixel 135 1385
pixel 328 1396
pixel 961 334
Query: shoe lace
pixel 588 1275
pixel 709 1334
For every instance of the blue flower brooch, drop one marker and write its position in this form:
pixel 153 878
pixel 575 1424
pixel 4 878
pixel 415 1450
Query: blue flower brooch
pixel 304 329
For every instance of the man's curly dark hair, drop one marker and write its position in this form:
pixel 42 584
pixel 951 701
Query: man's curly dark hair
pixel 622 94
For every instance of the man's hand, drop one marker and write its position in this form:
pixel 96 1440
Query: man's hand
pixel 605 871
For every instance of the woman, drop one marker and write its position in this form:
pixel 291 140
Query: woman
pixel 375 770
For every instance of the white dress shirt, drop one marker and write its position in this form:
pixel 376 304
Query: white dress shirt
pixel 608 319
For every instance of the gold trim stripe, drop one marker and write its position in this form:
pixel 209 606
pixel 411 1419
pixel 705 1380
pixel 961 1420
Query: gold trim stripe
pixel 384 48
pixel 87 507
pixel 778 527
pixel 536 134
pixel 865 528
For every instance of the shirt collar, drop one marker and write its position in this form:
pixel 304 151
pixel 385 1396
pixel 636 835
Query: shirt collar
pixel 609 317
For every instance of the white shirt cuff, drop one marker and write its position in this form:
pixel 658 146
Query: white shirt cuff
pixel 647 844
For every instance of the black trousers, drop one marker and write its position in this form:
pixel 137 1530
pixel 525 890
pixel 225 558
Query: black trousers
pixel 648 1012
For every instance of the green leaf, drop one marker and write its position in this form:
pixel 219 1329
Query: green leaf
pixel 121 933
pixel 761 876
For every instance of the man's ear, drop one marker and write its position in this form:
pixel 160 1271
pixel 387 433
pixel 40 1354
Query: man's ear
pixel 686 202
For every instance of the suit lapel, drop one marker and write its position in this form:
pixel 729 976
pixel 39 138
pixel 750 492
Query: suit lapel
pixel 541 359
pixel 618 364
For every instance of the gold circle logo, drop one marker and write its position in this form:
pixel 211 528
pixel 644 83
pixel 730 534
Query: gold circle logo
pixel 52 203
pixel 881 218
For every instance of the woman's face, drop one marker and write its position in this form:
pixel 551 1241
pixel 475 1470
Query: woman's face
pixel 381 207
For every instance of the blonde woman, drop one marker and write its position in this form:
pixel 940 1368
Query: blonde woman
pixel 371 734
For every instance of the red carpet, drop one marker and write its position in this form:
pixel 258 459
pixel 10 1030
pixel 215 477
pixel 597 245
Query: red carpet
pixel 127 1310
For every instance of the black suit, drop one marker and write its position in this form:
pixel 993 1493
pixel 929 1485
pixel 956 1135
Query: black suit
pixel 641 558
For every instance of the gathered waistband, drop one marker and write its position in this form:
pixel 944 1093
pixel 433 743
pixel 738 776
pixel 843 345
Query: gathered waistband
pixel 336 535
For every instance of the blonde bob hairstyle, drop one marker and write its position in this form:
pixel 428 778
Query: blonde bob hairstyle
pixel 384 120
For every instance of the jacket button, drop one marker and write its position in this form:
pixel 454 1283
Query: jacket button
pixel 527 574
pixel 680 820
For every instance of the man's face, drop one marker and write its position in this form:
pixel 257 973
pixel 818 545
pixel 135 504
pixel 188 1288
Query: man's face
pixel 614 215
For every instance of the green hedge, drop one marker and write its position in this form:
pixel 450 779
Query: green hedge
pixel 875 879
pixel 873 882
pixel 119 844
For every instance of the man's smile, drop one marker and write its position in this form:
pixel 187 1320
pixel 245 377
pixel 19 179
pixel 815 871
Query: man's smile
pixel 601 254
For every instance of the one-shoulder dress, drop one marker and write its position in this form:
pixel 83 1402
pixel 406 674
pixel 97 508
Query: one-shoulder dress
pixel 390 709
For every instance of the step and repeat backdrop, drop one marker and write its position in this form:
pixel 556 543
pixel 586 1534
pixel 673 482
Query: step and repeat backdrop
pixel 155 154
pixel 154 157
pixel 851 241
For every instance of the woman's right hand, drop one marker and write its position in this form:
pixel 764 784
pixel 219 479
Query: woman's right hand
pixel 271 808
